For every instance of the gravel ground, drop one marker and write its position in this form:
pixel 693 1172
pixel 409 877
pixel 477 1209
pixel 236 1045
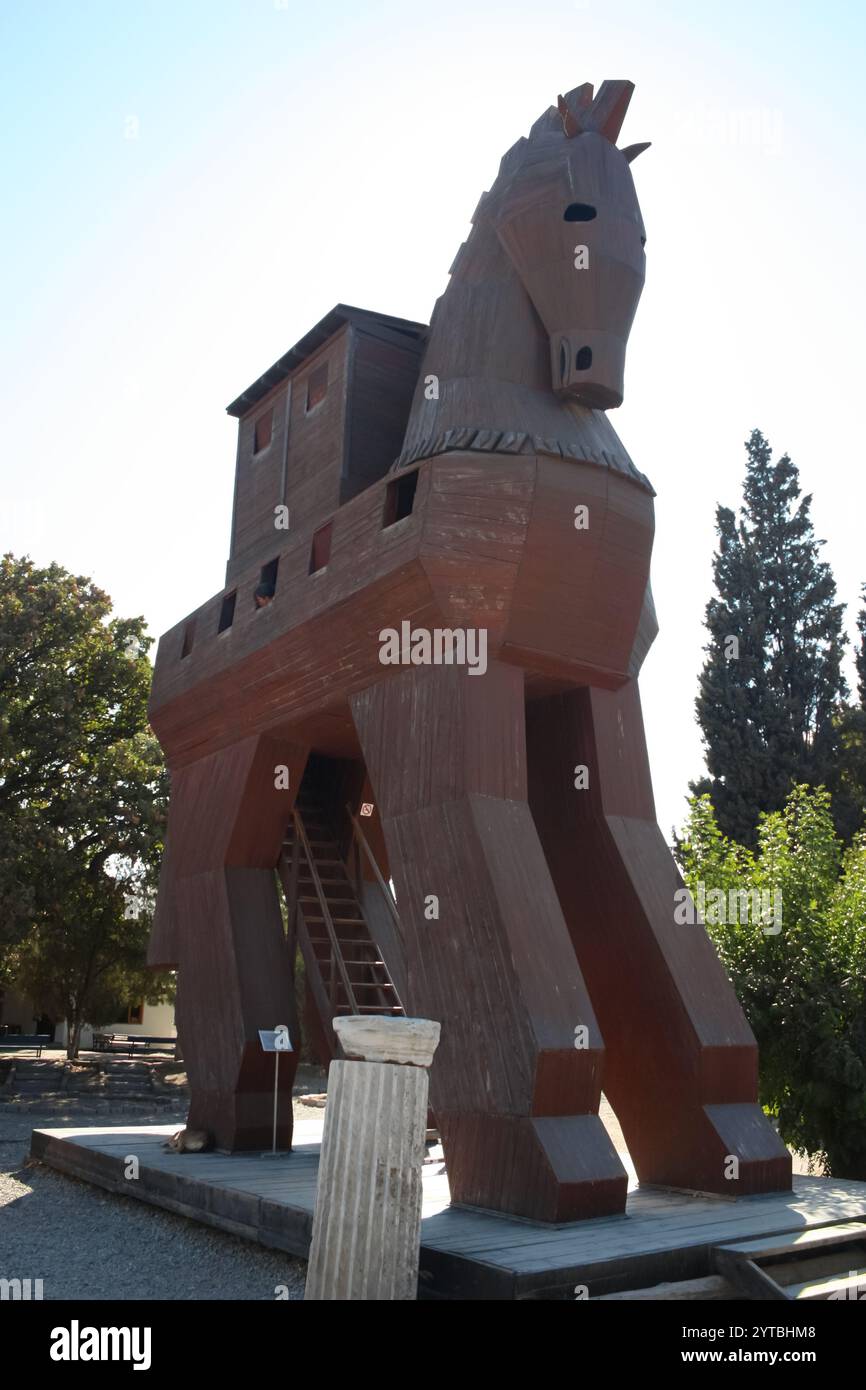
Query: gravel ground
pixel 89 1244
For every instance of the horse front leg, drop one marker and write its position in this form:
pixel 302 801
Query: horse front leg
pixel 516 1080
pixel 681 1066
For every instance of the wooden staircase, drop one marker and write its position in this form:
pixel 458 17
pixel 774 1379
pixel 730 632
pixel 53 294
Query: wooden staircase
pixel 345 969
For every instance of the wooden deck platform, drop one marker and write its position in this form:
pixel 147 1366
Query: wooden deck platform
pixel 465 1254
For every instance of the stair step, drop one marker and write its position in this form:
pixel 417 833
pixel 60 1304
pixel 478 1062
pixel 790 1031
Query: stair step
pixel 342 941
pixel 329 897
pixel 314 844
pixel 320 863
pixel 318 919
pixel 821 1263
pixel 324 941
pixel 371 1009
pixel 332 904
pixel 288 844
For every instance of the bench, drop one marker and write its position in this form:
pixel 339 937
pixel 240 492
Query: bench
pixel 169 1044
pixel 25 1042
pixel 130 1043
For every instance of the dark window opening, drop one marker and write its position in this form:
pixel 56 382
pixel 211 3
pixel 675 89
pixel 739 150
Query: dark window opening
pixel 135 1013
pixel 188 639
pixel 264 429
pixel 317 386
pixel 320 550
pixel 579 212
pixel 227 611
pixel 583 360
pixel 400 498
pixel 267 585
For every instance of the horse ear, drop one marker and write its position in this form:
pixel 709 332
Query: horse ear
pixel 632 151
pixel 570 124
pixel 572 107
pixel 607 112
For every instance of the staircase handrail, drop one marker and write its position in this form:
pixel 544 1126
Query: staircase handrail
pixel 326 912
pixel 371 858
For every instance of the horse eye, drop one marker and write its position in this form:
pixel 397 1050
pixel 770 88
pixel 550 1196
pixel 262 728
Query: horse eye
pixel 579 212
pixel 643 241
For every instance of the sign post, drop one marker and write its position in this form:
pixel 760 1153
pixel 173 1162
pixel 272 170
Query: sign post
pixel 275 1040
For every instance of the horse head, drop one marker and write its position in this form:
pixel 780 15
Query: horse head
pixel 566 213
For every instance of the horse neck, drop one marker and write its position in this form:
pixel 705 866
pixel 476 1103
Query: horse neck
pixel 485 380
pixel 486 347
pixel 485 326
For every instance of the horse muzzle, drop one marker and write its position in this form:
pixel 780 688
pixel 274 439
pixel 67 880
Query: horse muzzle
pixel 587 367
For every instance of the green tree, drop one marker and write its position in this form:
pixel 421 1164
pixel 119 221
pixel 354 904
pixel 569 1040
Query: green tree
pixel 86 960
pixel 83 793
pixel 803 987
pixel 847 780
pixel 860 653
pixel 772 684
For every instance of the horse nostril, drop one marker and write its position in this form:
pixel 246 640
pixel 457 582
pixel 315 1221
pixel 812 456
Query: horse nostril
pixel 583 360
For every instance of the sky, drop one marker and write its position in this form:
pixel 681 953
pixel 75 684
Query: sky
pixel 188 187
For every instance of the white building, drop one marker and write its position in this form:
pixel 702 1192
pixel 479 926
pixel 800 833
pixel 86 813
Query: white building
pixel 153 1020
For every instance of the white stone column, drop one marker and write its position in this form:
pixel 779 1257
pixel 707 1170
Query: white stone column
pixel 367 1222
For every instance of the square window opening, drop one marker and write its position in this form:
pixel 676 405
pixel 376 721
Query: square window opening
pixel 267 585
pixel 320 550
pixel 317 386
pixel 400 498
pixel 263 431
pixel 227 611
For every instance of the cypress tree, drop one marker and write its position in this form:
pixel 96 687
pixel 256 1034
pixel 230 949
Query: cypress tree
pixel 772 681
pixel 848 783
pixel 860 654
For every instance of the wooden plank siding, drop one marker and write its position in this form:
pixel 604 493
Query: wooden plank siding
pixel 313 449
pixel 467 556
pixel 384 370
pixel 320 457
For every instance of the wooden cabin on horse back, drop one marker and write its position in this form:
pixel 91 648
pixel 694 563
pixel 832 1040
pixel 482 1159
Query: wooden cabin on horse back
pixel 423 669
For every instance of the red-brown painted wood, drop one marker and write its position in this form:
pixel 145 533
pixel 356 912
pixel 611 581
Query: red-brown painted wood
pixel 516 1102
pixel 680 1060
pixel 218 922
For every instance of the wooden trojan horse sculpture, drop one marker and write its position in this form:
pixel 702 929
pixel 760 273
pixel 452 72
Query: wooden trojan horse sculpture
pixel 511 796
